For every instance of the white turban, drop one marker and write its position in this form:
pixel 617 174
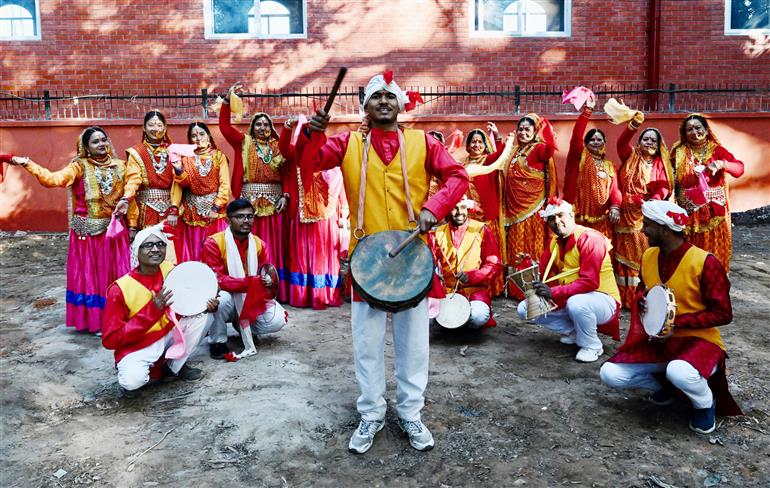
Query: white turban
pixel 378 83
pixel 141 236
pixel 666 213
pixel 555 206
pixel 466 202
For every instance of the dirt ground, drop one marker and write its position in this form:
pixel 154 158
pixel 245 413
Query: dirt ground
pixel 508 406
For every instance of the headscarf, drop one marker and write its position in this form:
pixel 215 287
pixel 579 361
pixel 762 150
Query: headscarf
pixel 407 100
pixel 273 133
pixel 710 137
pixel 82 151
pixel 555 206
pixel 666 213
pixel 141 236
pixel 166 140
pixel 488 147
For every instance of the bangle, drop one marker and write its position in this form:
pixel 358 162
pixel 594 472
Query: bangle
pixel 287 125
pixel 286 196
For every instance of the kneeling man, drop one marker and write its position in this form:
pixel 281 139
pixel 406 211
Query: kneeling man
pixel 694 355
pixel 235 255
pixel 149 341
pixel 469 259
pixel 586 292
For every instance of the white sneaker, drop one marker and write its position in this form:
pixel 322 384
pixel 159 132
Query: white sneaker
pixel 587 355
pixel 363 438
pixel 420 437
pixel 568 339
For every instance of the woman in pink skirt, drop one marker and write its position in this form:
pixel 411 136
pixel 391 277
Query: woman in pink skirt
pixel 205 180
pixel 97 255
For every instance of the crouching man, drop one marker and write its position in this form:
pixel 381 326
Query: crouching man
pixel 236 255
pixel 149 341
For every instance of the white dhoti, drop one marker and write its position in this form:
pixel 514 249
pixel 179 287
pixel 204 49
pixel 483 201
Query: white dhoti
pixel 578 318
pixel 134 368
pixel 272 320
pixel 411 347
pixel 680 373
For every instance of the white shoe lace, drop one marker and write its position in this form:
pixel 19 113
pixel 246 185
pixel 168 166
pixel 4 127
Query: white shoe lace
pixel 367 427
pixel 412 427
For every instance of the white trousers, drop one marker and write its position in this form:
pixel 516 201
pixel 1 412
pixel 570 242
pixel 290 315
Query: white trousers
pixel 680 373
pixel 579 317
pixel 134 368
pixel 411 347
pixel 480 312
pixel 272 320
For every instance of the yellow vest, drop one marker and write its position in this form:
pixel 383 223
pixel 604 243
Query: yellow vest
pixel 385 207
pixel 137 296
pixel 469 253
pixel 571 261
pixel 219 238
pixel 685 285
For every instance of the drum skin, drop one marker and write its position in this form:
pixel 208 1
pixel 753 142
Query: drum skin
pixel 269 270
pixel 658 318
pixel 454 311
pixel 193 284
pixel 389 283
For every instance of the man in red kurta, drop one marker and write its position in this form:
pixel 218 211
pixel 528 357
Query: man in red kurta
pixel 587 297
pixel 236 255
pixel 693 358
pixel 466 251
pixel 396 165
pixel 149 342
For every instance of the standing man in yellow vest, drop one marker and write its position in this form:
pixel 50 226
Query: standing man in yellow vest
pixel 466 252
pixel 397 168
pixel 137 322
pixel 693 358
pixel 586 293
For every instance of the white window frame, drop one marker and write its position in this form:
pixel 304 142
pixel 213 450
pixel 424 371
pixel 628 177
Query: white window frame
pixel 37 37
pixel 208 22
pixel 482 33
pixel 739 32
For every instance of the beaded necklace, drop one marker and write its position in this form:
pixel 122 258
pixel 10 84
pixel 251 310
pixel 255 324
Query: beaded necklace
pixel 266 158
pixel 158 165
pixel 104 175
pixel 204 168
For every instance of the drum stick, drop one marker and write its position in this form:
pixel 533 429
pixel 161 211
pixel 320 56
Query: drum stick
pixel 395 252
pixel 330 101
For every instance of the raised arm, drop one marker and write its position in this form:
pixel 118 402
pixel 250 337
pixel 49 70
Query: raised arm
pixel 574 155
pixel 233 136
pixel 52 179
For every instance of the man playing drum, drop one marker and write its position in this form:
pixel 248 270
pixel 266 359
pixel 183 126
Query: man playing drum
pixel 585 293
pixel 469 259
pixel 383 207
pixel 235 255
pixel 149 341
pixel 693 358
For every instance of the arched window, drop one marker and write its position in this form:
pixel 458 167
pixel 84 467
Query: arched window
pixel 274 18
pixel 524 17
pixel 16 22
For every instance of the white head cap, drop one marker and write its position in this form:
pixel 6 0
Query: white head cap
pixel 555 206
pixel 141 236
pixel 666 213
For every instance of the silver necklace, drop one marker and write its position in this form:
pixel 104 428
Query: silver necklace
pixel 105 178
pixel 266 158
pixel 160 166
pixel 204 168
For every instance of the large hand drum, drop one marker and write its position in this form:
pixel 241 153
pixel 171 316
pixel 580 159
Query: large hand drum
pixel 660 311
pixel 391 283
pixel 193 284
pixel 525 279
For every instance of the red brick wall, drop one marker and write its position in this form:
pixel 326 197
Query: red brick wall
pixel 146 45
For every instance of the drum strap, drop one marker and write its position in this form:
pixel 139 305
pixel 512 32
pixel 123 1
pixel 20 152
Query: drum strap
pixel 362 183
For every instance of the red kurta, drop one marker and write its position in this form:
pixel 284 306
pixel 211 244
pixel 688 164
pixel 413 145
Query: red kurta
pixel 701 354
pixel 126 335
